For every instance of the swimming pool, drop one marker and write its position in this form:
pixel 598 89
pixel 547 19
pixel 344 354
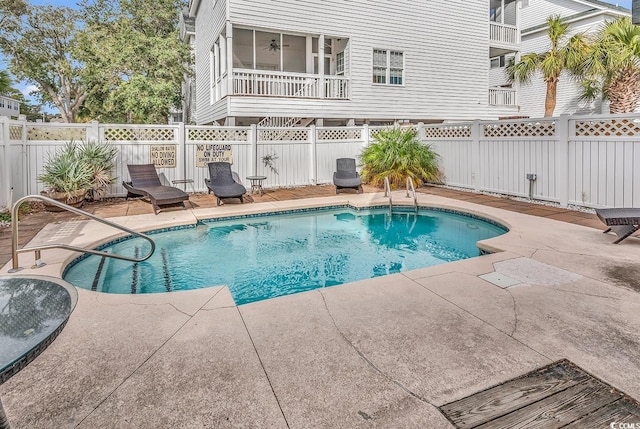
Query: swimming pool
pixel 263 257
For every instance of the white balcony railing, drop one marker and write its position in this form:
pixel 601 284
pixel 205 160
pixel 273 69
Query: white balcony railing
pixel 336 87
pixel 502 97
pixel 285 84
pixel 503 34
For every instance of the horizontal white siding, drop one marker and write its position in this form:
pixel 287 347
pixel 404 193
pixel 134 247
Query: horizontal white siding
pixel 210 22
pixel 538 11
pixel 438 84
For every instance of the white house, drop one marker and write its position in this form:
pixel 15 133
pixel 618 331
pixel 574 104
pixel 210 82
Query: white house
pixel 295 62
pixel 583 16
pixel 9 107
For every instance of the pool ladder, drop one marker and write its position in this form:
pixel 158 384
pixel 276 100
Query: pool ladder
pixel 410 186
pixel 37 249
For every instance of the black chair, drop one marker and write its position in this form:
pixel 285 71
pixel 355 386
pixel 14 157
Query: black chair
pixel 146 183
pixel 222 183
pixel 346 175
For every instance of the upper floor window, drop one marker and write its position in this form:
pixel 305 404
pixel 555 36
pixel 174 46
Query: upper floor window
pixel 388 67
pixel 340 63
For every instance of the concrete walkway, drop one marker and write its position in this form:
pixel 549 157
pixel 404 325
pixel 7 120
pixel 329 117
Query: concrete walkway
pixel 384 352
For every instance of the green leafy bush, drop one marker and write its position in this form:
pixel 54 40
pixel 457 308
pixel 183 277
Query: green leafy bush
pixel 397 153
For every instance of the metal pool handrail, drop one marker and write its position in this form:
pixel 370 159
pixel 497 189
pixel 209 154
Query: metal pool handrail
pixel 387 192
pixel 14 236
pixel 413 189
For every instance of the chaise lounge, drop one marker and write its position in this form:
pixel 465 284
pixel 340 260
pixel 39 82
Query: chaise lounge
pixel 146 183
pixel 623 222
pixel 346 175
pixel 222 183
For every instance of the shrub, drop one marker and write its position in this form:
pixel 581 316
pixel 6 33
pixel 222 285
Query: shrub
pixel 397 153
pixel 101 159
pixel 64 171
pixel 76 167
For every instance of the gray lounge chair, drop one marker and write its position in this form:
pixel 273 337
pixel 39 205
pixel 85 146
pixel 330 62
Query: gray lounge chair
pixel 346 175
pixel 623 222
pixel 146 183
pixel 222 183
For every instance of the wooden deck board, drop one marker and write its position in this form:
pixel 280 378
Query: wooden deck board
pixel 621 411
pixel 497 401
pixel 558 395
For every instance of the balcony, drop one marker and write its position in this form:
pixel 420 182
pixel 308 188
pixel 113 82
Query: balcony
pixel 503 38
pixel 263 83
pixel 502 97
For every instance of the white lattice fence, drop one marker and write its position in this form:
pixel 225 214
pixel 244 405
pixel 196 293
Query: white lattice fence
pixel 509 130
pixel 604 155
pixel 238 138
pixel 590 161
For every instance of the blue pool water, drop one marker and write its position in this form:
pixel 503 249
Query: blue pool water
pixel 264 257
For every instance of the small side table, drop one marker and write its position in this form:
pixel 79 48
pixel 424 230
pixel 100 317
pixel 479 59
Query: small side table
pixel 184 182
pixel 256 183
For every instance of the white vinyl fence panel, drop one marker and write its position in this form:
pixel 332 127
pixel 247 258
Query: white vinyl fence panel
pixel 584 160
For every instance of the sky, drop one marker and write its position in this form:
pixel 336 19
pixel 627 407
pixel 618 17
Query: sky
pixel 26 88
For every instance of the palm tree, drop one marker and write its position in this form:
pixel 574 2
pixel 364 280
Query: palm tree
pixel 564 54
pixel 5 82
pixel 612 66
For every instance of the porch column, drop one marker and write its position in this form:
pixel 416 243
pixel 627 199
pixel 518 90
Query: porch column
pixel 309 52
pixel 229 58
pixel 321 65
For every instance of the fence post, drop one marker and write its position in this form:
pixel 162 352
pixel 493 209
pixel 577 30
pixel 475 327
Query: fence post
pixel 253 138
pixel 313 139
pixel 5 148
pixel 365 135
pixel 562 159
pixel 181 164
pixel 24 140
pixel 93 131
pixel 476 165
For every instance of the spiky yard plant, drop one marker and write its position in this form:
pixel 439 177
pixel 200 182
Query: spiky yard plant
pixel 397 153
pixel 64 171
pixel 100 156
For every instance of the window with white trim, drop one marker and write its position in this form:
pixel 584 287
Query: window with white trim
pixel 388 67
pixel 340 63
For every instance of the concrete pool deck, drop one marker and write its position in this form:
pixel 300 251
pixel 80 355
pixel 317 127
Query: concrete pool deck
pixel 384 352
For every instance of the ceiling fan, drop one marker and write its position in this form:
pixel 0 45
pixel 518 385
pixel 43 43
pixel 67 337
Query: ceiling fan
pixel 274 46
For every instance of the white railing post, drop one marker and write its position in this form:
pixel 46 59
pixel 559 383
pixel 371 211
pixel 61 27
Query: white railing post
pixel 93 131
pixel 253 138
pixel 181 153
pixel 420 131
pixel 24 156
pixel 562 159
pixel 313 139
pixel 476 166
pixel 365 135
pixel 5 150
